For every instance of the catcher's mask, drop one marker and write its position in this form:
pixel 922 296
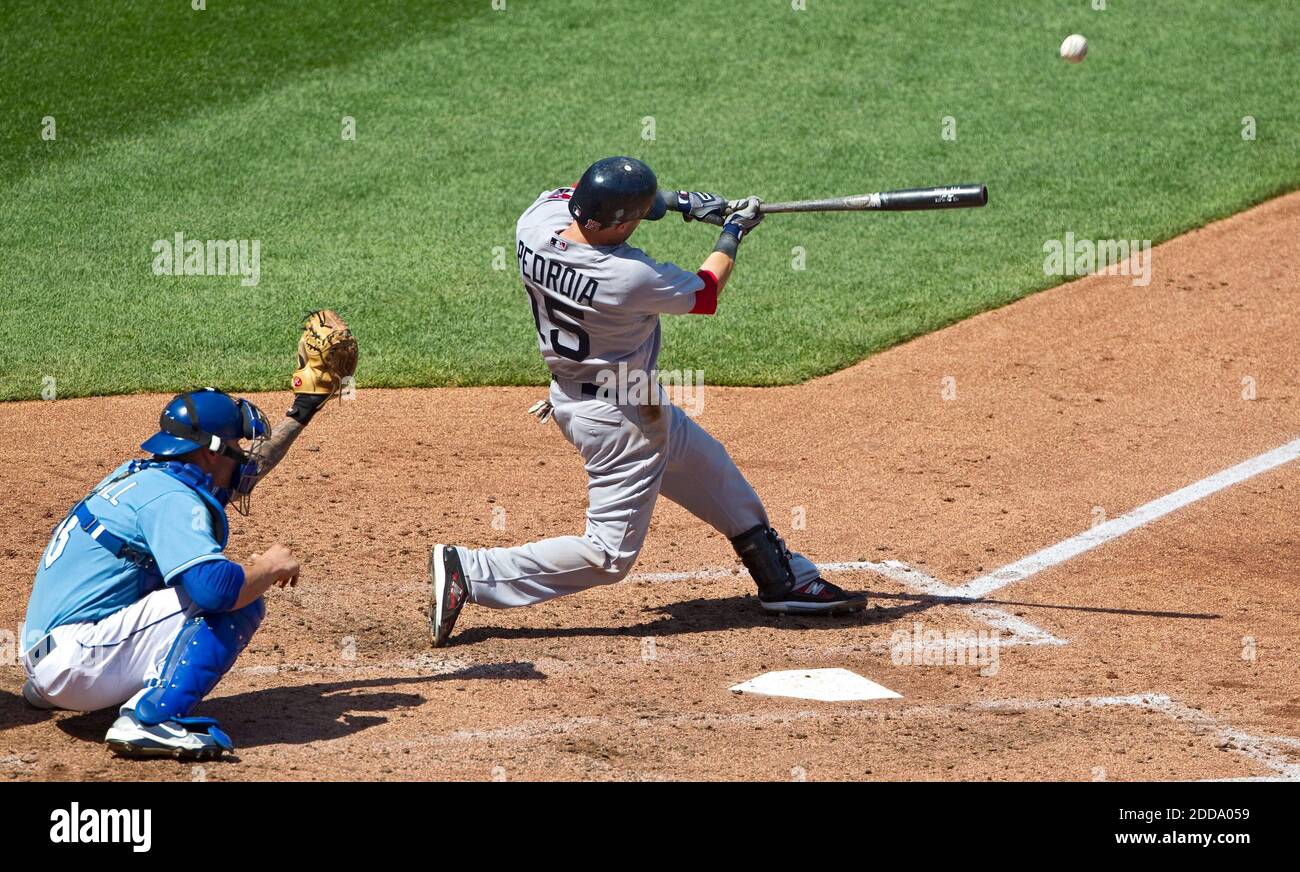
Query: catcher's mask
pixel 211 419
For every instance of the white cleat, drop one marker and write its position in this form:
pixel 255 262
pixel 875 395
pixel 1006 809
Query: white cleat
pixel 184 739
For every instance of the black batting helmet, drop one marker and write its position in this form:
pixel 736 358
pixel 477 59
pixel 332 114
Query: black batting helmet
pixel 615 190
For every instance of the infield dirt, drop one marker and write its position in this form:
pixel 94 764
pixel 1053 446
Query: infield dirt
pixel 956 453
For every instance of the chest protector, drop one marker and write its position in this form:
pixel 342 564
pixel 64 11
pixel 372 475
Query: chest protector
pixel 187 474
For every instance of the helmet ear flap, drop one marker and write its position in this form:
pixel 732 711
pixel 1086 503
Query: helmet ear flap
pixel 251 424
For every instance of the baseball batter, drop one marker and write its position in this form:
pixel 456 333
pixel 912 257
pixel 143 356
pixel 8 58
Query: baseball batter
pixel 135 604
pixel 596 302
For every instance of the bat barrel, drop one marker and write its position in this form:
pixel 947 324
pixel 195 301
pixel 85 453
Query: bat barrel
pixel 950 197
pixel 908 200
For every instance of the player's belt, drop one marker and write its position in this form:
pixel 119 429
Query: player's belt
pixel 586 389
pixel 41 649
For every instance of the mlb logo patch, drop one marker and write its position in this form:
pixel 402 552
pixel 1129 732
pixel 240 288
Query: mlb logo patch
pixel 559 243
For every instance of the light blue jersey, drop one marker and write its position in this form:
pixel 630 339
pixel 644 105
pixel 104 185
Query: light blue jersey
pixel 154 513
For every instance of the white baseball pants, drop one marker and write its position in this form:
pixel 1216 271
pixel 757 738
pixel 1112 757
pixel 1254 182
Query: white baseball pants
pixel 86 667
pixel 632 455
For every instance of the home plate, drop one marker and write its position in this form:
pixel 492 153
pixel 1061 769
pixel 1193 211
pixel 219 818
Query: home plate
pixel 825 685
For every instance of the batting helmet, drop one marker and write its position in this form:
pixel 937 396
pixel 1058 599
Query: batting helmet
pixel 615 190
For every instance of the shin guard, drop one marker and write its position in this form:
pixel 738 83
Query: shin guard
pixel 203 652
pixel 768 560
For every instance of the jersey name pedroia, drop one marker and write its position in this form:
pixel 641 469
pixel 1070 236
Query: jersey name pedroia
pixel 595 307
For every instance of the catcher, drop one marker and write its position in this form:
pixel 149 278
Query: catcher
pixel 134 603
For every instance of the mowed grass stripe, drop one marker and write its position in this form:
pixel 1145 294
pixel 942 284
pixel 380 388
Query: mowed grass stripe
pixel 464 115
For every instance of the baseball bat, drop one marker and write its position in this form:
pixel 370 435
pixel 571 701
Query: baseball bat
pixel 908 200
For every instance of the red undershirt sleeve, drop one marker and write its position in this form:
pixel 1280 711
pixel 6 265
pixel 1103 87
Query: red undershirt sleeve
pixel 706 299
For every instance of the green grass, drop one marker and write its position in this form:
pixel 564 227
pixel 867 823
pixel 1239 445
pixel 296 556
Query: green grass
pixel 225 123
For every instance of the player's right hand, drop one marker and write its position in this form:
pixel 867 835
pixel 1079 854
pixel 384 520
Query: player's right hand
pixel 280 564
pixel 702 206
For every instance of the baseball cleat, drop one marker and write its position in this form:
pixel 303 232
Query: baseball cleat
pixel 34 698
pixel 816 597
pixel 183 738
pixel 449 592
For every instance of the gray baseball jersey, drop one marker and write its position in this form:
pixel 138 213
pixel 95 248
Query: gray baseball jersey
pixel 594 306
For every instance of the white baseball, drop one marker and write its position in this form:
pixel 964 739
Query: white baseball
pixel 1075 48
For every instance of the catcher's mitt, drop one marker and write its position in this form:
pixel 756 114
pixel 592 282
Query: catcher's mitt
pixel 327 354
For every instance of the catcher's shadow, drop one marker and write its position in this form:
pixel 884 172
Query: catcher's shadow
pixel 302 713
pixel 15 712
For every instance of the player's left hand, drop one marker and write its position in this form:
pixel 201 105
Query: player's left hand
pixel 746 215
pixel 702 206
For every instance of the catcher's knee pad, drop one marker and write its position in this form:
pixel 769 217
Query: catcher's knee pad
pixel 768 560
pixel 203 652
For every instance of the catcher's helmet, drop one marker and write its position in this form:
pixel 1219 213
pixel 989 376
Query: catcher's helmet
pixel 615 190
pixel 212 419
pixel 205 418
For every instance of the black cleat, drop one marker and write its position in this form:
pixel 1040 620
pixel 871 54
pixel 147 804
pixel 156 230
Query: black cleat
pixel 816 597
pixel 449 592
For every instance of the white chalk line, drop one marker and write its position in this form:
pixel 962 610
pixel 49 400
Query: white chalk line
pixel 1266 751
pixel 1024 633
pixel 1019 631
pixel 1062 551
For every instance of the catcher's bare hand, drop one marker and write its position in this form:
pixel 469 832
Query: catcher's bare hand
pixel 277 565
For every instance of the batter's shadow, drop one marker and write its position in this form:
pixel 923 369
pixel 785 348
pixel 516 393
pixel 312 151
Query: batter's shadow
pixel 706 615
pixel 302 713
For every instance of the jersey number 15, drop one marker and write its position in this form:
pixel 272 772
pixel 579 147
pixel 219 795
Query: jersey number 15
pixel 563 318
